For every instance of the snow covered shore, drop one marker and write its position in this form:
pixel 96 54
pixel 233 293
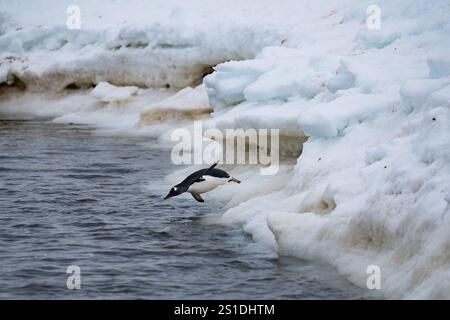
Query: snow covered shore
pixel 371 186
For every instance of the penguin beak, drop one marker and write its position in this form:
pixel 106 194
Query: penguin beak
pixel 167 197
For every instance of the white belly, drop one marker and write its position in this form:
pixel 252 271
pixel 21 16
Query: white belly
pixel 209 184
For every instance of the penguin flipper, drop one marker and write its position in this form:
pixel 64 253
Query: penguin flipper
pixel 197 197
pixel 212 167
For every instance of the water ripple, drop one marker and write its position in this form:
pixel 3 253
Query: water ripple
pixel 71 197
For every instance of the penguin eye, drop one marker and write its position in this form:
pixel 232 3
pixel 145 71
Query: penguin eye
pixel 174 188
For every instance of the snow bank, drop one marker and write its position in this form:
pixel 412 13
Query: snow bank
pixel 131 43
pixel 329 119
pixel 371 185
pixel 187 104
pixel 109 93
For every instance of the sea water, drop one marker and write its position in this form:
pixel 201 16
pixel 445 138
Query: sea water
pixel 71 196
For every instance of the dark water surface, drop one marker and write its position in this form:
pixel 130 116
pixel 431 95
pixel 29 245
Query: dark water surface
pixel 70 196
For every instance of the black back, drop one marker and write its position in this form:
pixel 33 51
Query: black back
pixel 211 171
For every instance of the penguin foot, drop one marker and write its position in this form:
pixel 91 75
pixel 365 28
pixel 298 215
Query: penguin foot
pixel 234 180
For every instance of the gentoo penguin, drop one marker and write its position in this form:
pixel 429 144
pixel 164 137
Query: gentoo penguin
pixel 201 181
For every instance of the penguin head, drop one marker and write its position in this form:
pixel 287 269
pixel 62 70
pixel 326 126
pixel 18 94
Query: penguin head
pixel 175 191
